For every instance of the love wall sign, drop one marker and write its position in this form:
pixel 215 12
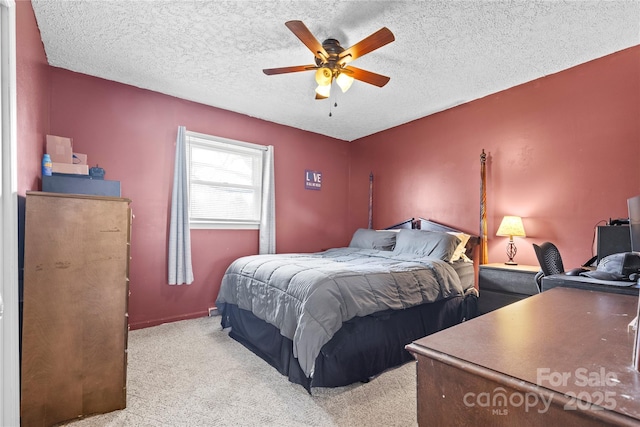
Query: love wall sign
pixel 312 180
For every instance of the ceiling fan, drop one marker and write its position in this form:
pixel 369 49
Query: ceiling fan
pixel 331 59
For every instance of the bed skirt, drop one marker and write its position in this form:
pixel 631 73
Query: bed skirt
pixel 362 348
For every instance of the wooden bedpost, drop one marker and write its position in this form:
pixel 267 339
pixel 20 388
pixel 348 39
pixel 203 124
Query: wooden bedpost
pixel 484 253
pixel 370 199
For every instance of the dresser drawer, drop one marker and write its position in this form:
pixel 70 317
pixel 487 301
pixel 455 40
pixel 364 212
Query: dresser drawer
pixel 491 300
pixel 502 284
pixel 510 281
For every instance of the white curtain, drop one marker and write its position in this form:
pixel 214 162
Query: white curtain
pixel 268 210
pixel 180 270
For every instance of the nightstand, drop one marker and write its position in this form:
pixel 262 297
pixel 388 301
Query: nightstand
pixel 501 284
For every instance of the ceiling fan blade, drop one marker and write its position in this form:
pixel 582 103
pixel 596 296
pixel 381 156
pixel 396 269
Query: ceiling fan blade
pixel 367 76
pixel 376 40
pixel 283 70
pixel 302 32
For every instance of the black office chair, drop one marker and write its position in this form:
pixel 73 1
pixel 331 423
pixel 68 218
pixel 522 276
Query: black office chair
pixel 551 262
pixel 549 258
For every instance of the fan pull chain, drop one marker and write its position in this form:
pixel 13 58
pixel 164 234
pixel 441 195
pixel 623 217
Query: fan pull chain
pixel 335 104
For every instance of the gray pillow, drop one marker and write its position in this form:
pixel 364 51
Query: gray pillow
pixel 365 238
pixel 426 244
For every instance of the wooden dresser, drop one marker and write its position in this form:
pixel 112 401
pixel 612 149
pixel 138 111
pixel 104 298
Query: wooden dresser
pixel 75 323
pixel 563 357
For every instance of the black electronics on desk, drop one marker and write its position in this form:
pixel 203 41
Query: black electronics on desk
pixel 634 222
pixel 613 239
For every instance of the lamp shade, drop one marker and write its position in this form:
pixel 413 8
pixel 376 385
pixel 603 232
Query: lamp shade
pixel 324 90
pixel 324 76
pixel 511 226
pixel 344 81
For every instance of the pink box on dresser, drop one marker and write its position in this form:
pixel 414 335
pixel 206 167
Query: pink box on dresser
pixel 59 149
pixel 79 159
pixel 69 168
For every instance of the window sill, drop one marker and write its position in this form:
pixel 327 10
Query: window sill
pixel 223 226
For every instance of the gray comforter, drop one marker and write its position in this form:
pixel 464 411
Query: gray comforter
pixel 309 296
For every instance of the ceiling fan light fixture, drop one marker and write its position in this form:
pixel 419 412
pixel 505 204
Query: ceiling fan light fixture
pixel 324 76
pixel 331 59
pixel 344 81
pixel 324 90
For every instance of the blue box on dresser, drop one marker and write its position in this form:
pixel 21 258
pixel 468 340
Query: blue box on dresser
pixel 82 184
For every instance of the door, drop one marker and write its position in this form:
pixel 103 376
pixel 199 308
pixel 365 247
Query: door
pixel 9 323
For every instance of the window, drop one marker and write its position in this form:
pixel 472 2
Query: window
pixel 225 182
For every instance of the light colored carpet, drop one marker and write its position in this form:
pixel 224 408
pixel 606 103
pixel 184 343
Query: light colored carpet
pixel 190 373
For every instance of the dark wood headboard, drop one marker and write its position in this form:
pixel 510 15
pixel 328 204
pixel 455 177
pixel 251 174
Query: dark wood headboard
pixel 410 223
pixel 428 225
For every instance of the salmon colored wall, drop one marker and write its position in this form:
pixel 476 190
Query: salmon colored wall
pixel 32 92
pixel 563 153
pixel 131 133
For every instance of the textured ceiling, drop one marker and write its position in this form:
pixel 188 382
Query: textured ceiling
pixel 446 52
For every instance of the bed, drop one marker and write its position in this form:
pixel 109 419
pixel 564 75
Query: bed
pixel 340 316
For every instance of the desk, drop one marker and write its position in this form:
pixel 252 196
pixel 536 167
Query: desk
pixel 582 282
pixel 562 357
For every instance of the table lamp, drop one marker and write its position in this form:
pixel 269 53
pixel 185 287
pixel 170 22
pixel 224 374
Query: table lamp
pixel 511 226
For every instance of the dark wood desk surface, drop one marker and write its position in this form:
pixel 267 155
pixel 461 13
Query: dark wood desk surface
pixel 572 332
